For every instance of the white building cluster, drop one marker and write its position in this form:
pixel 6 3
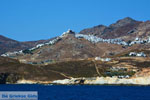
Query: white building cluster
pixel 52 42
pixel 11 53
pixel 95 39
pixel 49 43
pixel 66 33
pixel 140 41
pixel 140 54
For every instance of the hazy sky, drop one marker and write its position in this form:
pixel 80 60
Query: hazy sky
pixel 26 20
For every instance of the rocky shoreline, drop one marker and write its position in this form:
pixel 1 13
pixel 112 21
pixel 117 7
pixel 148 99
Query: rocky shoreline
pixel 93 81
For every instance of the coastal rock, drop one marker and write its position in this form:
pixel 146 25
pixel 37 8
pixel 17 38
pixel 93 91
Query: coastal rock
pixel 108 80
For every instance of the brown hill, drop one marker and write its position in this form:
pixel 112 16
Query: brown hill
pixel 123 27
pixel 12 70
pixel 10 45
pixel 69 48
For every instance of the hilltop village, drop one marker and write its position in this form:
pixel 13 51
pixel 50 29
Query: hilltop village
pixel 91 38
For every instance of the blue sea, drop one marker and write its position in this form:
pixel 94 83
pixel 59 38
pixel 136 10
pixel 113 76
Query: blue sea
pixel 83 92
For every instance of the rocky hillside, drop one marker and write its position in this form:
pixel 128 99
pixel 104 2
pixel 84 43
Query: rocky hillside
pixel 126 28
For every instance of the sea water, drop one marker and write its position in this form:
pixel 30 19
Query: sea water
pixel 83 92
